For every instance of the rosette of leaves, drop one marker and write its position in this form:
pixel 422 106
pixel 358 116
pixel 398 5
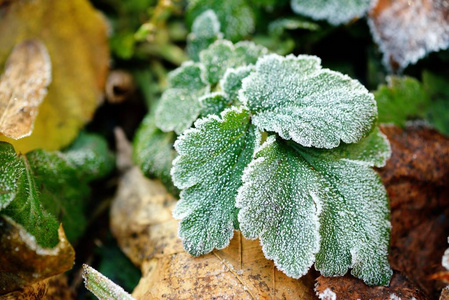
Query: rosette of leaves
pixel 40 189
pixel 283 151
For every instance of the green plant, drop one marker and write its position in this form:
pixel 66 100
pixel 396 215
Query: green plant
pixel 283 151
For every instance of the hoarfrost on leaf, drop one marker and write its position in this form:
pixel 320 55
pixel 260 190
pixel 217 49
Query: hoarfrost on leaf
pixel 336 187
pixel 205 31
pixel 209 168
pixel 334 11
pixel 232 81
pixel 280 211
pixel 315 107
pixel 406 31
pixel 179 106
pixel 223 55
pixel 214 103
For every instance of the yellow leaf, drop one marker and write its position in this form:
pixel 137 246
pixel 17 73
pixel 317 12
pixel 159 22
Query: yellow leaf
pixel 23 86
pixel 75 36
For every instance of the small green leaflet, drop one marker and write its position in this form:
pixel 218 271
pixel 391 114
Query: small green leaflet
pixel 287 189
pixel 214 103
pixel 223 55
pixel 179 106
pixel 153 152
pixel 205 31
pixel 334 11
pixel 315 107
pixel 403 98
pixel 236 16
pixel 41 188
pixel 209 169
pixel 232 81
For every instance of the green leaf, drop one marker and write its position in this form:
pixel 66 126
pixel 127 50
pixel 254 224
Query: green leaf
pixel 279 26
pixel 236 16
pixel 297 99
pixel 403 98
pixel 42 188
pixel 334 11
pixel 436 86
pixel 209 168
pixel 153 152
pixel 232 81
pixel 287 188
pixel 205 31
pixel 214 103
pixel 278 209
pixel 179 106
pixel 223 55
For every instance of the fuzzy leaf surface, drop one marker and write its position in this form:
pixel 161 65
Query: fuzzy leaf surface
pixel 236 16
pixel 339 188
pixel 214 103
pixel 223 55
pixel 42 188
pixel 153 151
pixel 232 81
pixel 179 106
pixel 209 169
pixel 205 31
pixel 334 11
pixel 315 107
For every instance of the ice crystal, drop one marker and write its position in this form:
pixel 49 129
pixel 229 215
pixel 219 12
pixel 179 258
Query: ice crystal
pixel 334 11
pixel 297 99
pixel 209 168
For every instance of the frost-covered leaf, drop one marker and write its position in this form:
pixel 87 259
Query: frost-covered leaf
pixel 153 151
pixel 205 31
pixel 179 106
pixel 401 99
pixel 341 190
pixel 236 16
pixel 232 81
pixel 209 168
pixel 41 188
pixel 295 98
pixel 214 103
pixel 276 208
pixel 406 31
pixel 102 287
pixel 223 55
pixel 334 11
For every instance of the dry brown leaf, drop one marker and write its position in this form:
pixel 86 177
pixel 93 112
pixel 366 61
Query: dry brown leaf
pixel 407 30
pixel 75 36
pixel 23 86
pixel 53 288
pixel 23 262
pixel 348 287
pixel 141 221
pixel 417 182
pixel 445 294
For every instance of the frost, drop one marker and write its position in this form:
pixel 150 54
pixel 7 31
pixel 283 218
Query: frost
pixel 334 11
pixel 214 103
pixel 278 210
pixel 232 81
pixel 236 16
pixel 277 202
pixel 223 55
pixel 179 106
pixel 298 100
pixel 209 167
pixel 205 31
pixel 407 30
pixel 328 294
pixel 394 297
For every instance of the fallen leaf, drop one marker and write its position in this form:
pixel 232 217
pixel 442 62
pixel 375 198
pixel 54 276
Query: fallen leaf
pixel 348 287
pixel 75 36
pixel 406 31
pixel 417 182
pixel 445 294
pixel 142 222
pixel 23 262
pixel 23 86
